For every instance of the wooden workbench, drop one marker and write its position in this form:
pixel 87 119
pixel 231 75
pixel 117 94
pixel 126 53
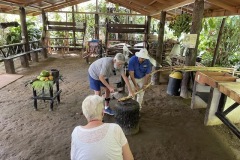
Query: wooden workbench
pixel 206 93
pixel 228 110
pixel 230 89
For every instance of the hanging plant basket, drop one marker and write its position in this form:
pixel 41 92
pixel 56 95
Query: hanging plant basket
pixel 180 24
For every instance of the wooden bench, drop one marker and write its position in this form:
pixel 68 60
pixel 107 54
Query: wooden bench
pixel 9 64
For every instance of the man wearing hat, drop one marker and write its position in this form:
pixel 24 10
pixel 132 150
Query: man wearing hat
pixel 139 70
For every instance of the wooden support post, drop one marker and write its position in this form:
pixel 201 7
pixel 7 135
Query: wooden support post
pixel 96 26
pixel 24 59
pixel 156 79
pixel 96 22
pixel 190 59
pixel 74 33
pixel 45 39
pixel 149 18
pixel 106 36
pixel 34 56
pixel 9 66
pixel 218 42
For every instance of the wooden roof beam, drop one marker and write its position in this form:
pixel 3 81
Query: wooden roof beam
pixel 17 5
pixel 60 5
pixel 10 4
pixel 166 2
pixel 181 4
pixel 152 2
pixel 187 10
pixel 142 4
pixel 33 8
pixel 138 9
pixel 32 2
pixel 218 13
pixel 223 5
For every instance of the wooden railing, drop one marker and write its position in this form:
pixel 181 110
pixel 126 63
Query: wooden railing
pixel 17 48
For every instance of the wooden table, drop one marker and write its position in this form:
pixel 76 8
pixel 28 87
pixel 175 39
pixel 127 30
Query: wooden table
pixel 206 93
pixel 231 90
pixel 51 96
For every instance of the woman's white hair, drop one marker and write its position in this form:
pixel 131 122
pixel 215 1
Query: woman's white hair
pixel 119 57
pixel 92 107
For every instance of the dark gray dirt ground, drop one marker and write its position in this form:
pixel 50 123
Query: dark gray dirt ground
pixel 169 129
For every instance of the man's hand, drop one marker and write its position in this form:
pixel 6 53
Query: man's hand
pixel 137 88
pixel 111 89
pixel 131 93
pixel 144 87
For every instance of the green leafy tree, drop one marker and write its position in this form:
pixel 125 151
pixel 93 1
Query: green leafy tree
pixel 229 49
pixel 14 34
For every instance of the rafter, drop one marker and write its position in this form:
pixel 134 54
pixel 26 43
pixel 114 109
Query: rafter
pixel 10 4
pixel 136 8
pixel 218 13
pixel 59 5
pixel 142 4
pixel 32 2
pixel 48 2
pixel 181 4
pixel 152 2
pixel 223 5
pixel 17 5
pixel 63 4
pixel 167 2
pixel 146 7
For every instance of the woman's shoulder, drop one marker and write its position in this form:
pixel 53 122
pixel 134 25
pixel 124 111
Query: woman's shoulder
pixel 115 126
pixel 76 129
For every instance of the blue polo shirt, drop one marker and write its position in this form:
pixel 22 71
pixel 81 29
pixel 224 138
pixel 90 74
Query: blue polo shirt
pixel 140 69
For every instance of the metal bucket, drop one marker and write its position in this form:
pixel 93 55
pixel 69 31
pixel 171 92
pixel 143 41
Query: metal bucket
pixel 174 83
pixel 55 74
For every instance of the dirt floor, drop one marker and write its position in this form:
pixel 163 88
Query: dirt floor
pixel 169 129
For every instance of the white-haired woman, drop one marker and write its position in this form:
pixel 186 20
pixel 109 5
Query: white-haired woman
pixel 98 140
pixel 99 73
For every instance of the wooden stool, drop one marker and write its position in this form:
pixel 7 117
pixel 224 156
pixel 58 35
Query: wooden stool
pixel 127 116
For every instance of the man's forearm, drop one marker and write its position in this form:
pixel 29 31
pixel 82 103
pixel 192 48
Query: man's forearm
pixel 103 80
pixel 133 79
pixel 146 79
pixel 127 82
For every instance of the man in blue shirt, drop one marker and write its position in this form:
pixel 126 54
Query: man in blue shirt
pixel 139 70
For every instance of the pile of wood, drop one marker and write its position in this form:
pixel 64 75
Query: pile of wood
pixel 167 47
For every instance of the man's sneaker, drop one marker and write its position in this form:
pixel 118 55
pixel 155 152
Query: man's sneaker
pixel 109 111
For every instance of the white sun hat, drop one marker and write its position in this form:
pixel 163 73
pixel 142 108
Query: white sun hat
pixel 143 53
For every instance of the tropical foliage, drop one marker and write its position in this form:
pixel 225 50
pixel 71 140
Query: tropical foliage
pixel 181 24
pixel 14 33
pixel 229 49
